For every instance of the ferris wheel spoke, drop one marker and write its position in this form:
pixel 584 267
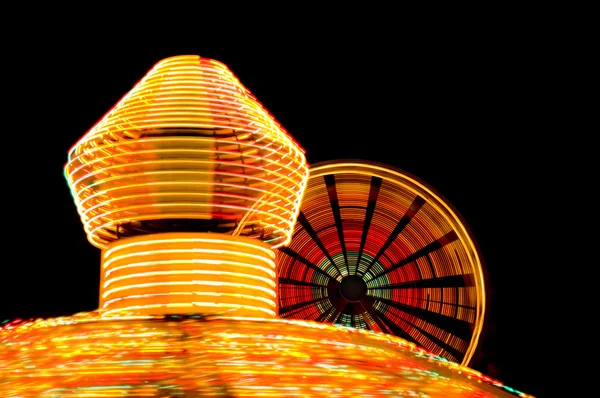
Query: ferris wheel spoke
pixel 283 311
pixel 438 342
pixel 400 332
pixel 366 321
pixel 339 306
pixel 416 205
pixel 392 326
pixel 298 257
pixel 373 194
pixel 367 305
pixel 456 327
pixel 463 280
pixel 350 307
pixel 433 246
pixel 324 314
pixel 337 216
pixel 288 281
pixel 315 238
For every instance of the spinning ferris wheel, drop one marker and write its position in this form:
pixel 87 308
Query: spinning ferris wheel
pixel 375 248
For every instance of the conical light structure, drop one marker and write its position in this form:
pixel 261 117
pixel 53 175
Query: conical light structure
pixel 187 149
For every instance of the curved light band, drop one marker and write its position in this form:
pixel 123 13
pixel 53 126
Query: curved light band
pixel 188 142
pixel 422 274
pixel 90 356
pixel 188 273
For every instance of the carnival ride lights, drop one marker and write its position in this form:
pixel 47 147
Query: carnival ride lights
pixel 189 152
pixel 187 149
pixel 187 186
pixel 376 248
pixel 183 272
pixel 88 355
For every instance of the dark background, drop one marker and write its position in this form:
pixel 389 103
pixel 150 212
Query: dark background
pixel 461 109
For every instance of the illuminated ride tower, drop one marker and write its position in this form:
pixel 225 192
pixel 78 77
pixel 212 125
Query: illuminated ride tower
pixel 187 185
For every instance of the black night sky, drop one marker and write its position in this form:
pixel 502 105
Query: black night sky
pixel 459 111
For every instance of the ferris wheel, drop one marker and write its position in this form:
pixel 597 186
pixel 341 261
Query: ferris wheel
pixel 375 248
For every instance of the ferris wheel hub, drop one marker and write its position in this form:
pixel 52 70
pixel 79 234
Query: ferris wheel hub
pixel 353 288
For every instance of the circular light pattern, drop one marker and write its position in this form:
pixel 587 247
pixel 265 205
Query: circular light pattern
pixel 375 248
pixel 192 356
pixel 187 149
pixel 188 273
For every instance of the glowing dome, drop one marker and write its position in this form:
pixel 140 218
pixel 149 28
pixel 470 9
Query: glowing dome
pixel 187 186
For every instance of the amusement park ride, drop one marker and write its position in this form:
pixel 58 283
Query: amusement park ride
pixel 230 267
